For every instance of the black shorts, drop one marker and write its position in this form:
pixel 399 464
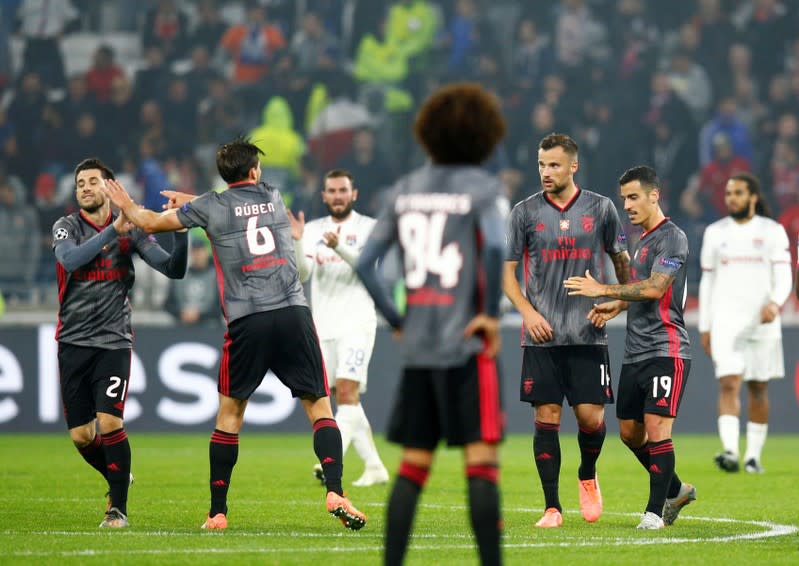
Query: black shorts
pixel 93 380
pixel 283 340
pixel 652 386
pixel 462 404
pixel 581 374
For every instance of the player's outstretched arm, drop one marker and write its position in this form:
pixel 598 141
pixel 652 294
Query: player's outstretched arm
pixel 365 268
pixel 176 199
pixel 147 220
pixel 650 289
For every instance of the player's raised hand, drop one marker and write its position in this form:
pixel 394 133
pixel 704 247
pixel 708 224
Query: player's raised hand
pixel 117 194
pixel 488 328
pixel 122 224
pixel 297 224
pixel 769 312
pixel 176 199
pixel 331 238
pixel 603 312
pixel 539 328
pixel 585 286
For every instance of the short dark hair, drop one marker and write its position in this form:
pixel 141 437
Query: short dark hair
pixel 754 187
pixel 559 140
pixel 460 123
pixel 235 159
pixel 644 174
pixel 336 173
pixel 93 163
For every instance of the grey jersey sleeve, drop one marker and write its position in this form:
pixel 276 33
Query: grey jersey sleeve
pixel 517 232
pixel 380 240
pixel 72 255
pixel 614 238
pixel 196 212
pixel 173 265
pixel 671 255
pixel 491 223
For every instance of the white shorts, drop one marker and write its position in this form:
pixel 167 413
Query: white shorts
pixel 348 357
pixel 755 360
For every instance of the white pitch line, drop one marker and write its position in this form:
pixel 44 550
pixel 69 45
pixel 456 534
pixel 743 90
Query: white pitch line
pixel 772 530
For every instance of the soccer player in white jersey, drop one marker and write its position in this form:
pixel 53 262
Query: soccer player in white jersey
pixel 327 250
pixel 746 277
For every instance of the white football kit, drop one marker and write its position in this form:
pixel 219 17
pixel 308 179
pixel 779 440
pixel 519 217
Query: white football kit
pixel 744 267
pixel 343 311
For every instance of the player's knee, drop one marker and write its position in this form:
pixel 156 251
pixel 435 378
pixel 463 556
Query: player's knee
pixel 82 436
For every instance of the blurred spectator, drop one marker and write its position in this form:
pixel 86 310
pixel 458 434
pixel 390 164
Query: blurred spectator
pixel 210 27
pixel 411 26
pixel 690 81
pixel 704 196
pixel 79 100
pixel 714 34
pixel 119 116
pixel 785 174
pixel 462 37
pixel 332 129
pixel 86 140
pixel 252 45
pixel 382 67
pixel 102 73
pixel 19 240
pixel 150 81
pixel 370 169
pixel 219 113
pixel 602 148
pixel 199 76
pixel 42 22
pixel 282 146
pixel 726 121
pixel 313 46
pixel 768 31
pixel 6 27
pixel 532 57
pixel 180 118
pixel 25 113
pixel 304 193
pixel 579 36
pixel 151 176
pixel 195 298
pixel 166 26
pixel 675 158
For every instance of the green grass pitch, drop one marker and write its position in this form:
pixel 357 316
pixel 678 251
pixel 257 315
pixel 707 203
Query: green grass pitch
pixel 51 503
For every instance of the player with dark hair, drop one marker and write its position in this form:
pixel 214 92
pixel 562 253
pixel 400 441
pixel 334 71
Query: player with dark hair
pixel 269 324
pixel 739 325
pixel 327 250
pixel 560 231
pixel 657 354
pixel 447 220
pixel 93 249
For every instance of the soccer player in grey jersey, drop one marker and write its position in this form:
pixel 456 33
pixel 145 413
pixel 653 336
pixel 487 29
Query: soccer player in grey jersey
pixel 93 249
pixel 448 223
pixel 269 324
pixel 558 232
pixel 657 355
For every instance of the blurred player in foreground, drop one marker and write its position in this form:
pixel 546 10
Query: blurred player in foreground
pixel 447 220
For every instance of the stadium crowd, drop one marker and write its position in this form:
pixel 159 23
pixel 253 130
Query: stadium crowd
pixel 699 89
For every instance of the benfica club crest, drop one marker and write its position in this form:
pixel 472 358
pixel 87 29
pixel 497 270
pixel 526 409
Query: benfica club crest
pixel 564 224
pixel 588 223
pixel 124 245
pixel 527 385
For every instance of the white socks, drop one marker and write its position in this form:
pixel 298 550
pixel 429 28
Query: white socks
pixel 355 427
pixel 730 433
pixel 755 439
